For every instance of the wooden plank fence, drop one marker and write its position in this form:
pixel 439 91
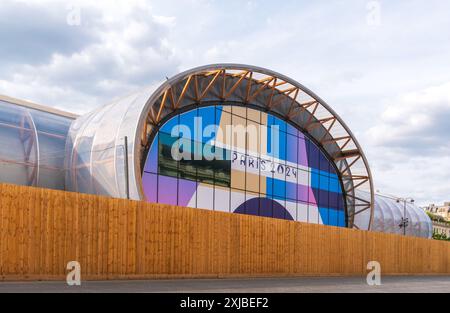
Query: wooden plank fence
pixel 42 230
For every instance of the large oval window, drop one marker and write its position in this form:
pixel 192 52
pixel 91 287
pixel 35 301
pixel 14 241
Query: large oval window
pixel 241 160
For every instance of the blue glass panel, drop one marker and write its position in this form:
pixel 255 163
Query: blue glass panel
pixel 333 176
pixel 291 130
pixel 341 218
pixel 291 191
pixel 324 183
pixel 324 215
pixel 324 164
pixel 169 125
pixel 315 181
pixel 314 155
pixel 334 200
pixel 335 186
pixel 333 217
pixel 269 186
pixel 323 198
pixel 218 116
pixel 332 171
pixel 188 120
pixel 276 144
pixel 275 121
pixel 151 165
pixel 279 189
pixel 208 118
pixel 292 149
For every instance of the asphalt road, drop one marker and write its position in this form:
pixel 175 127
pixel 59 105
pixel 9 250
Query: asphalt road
pixel 277 285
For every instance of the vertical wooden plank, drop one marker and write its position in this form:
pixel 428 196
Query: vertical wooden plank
pixel 93 231
pixel 12 231
pixel 2 248
pixel 68 252
pixel 139 247
pixel 5 207
pixel 111 256
pixel 59 266
pixel 104 207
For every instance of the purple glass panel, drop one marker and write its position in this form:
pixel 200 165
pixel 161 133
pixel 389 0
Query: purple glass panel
pixel 186 192
pixel 150 186
pixel 302 152
pixel 151 165
pixel 291 149
pixel 167 190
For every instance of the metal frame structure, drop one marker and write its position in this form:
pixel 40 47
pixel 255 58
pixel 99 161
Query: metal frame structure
pixel 38 107
pixel 389 214
pixel 273 93
pixel 29 140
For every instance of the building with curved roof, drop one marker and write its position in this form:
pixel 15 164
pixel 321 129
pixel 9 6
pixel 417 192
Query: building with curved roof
pixel 227 137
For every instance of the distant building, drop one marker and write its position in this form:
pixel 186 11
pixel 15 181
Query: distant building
pixel 442 211
pixel 441 228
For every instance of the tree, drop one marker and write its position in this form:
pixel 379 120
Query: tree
pixel 439 236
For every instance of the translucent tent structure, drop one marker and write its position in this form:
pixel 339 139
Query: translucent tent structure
pixel 95 155
pixel 105 151
pixel 389 213
pixel 33 140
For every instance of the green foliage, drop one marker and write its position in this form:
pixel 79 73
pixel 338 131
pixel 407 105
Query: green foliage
pixel 437 218
pixel 443 237
pixel 440 219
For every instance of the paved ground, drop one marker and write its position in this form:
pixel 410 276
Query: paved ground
pixel 285 285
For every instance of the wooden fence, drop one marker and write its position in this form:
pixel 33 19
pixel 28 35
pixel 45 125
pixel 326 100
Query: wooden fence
pixel 42 230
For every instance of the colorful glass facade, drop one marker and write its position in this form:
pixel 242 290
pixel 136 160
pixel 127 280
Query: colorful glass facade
pixel 242 160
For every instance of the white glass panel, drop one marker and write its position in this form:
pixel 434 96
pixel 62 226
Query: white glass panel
pixel 313 215
pixel 222 199
pixel 302 212
pixel 205 197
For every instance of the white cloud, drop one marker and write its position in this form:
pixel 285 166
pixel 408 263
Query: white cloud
pixel 416 122
pixel 426 179
pixel 410 145
pixel 129 49
pixel 169 21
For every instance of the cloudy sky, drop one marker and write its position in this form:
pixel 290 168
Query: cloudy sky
pixel 384 66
